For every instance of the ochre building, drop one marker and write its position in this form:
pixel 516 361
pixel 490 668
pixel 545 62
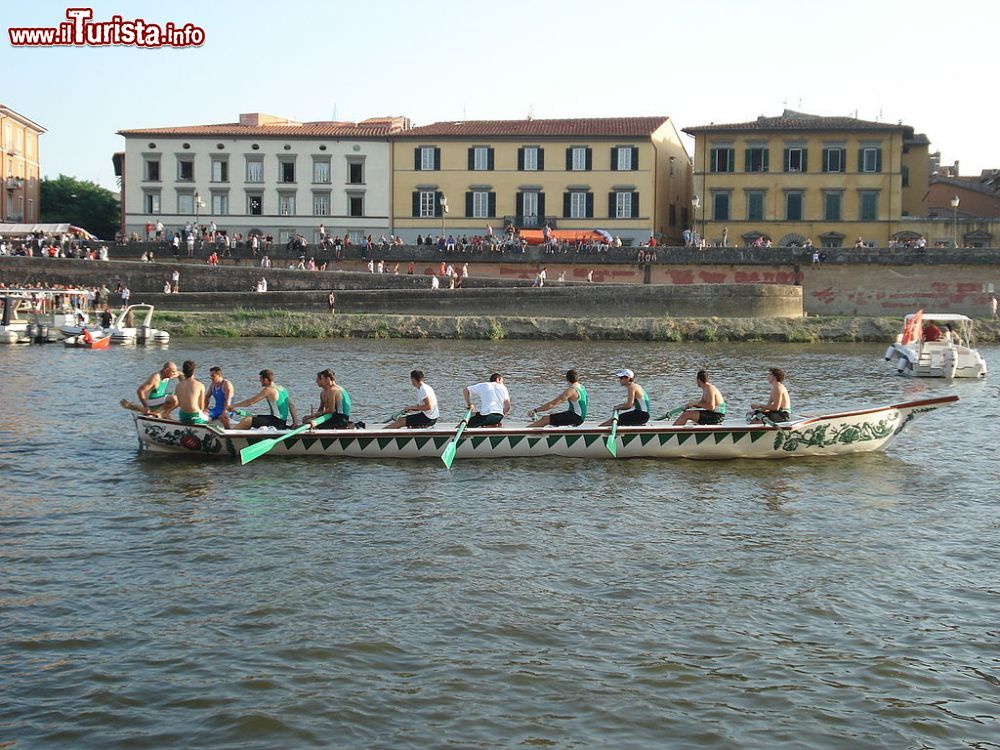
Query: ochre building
pixel 629 176
pixel 799 177
pixel 19 198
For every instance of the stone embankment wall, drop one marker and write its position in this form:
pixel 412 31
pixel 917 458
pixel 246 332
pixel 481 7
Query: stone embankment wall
pixel 608 301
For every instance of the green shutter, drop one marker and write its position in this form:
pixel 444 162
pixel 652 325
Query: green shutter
pixel 472 158
pixel 438 211
pixel 416 159
pixel 437 158
pixel 878 160
pixel 590 164
pixel 747 160
pixel 635 158
pixel 614 158
pixel 635 205
pixel 612 204
pixel 491 202
pixel 861 160
pixel 590 205
pixel 767 155
pixel 788 160
pixel 541 207
pixel 569 163
pixel 519 205
pixel 566 205
pixel 541 159
pixel 468 205
pixel 416 203
pixel 805 160
pixel 520 160
pixel 489 158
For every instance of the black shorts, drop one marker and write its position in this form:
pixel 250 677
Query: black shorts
pixel 267 420
pixel 418 419
pixel 485 420
pixel 710 417
pixel 336 421
pixel 777 416
pixel 632 417
pixel 565 419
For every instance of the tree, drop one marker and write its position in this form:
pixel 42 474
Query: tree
pixel 83 204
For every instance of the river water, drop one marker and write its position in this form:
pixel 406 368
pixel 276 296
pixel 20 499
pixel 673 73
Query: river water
pixel 811 603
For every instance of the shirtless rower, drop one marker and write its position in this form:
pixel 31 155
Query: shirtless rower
pixel 279 405
pixel 222 396
pixel 710 409
pixel 333 400
pixel 191 397
pixel 422 414
pixel 575 398
pixel 155 399
pixel 779 405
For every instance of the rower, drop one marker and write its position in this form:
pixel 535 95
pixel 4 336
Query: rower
pixel 279 405
pixel 575 397
pixel 635 409
pixel 333 400
pixel 494 402
pixel 191 397
pixel 779 405
pixel 710 409
pixel 425 412
pixel 154 394
pixel 222 396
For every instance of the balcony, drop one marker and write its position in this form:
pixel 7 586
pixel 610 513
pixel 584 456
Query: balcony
pixel 14 183
pixel 530 222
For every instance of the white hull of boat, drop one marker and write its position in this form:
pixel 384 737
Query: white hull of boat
pixel 936 359
pixel 828 435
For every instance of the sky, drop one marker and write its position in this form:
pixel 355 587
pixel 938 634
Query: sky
pixel 925 64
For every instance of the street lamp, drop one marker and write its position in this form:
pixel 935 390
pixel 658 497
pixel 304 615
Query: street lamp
pixel 198 205
pixel 954 208
pixel 444 210
pixel 695 205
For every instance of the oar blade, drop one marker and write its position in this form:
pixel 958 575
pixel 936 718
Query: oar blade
pixel 611 443
pixel 256 450
pixel 449 454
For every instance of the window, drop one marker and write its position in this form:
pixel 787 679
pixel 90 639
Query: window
pixel 152 170
pixel 756 159
pixel 793 206
pixel 720 206
pixel 286 171
pixel 870 159
pixel 220 204
pixel 185 203
pixel 834 159
pixel 29 149
pixel 152 203
pixel 795 159
pixel 529 159
pixel 905 173
pixel 20 141
pixel 428 158
pixel 321 204
pixel 578 205
pixel 480 158
pixel 721 159
pixel 286 203
pixel 831 206
pixel 624 158
pixel 356 173
pixel 185 170
pixel 255 170
pixel 255 205
pixel 868 200
pixel 220 170
pixel 755 205
pixel 321 171
pixel 428 203
pixel 578 159
pixel 356 205
pixel 625 205
pixel 529 209
pixel 480 204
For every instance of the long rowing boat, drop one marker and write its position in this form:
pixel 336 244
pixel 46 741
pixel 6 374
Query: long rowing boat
pixel 825 435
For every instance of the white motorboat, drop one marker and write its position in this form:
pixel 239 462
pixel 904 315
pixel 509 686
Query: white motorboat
pixel 123 328
pixel 21 319
pixel 926 350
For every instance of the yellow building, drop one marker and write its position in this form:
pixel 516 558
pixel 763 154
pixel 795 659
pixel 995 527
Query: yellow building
pixel 801 177
pixel 629 176
pixel 19 197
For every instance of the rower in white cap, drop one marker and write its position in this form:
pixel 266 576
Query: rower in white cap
pixel 635 409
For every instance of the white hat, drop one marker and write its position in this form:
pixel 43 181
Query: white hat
pixel 625 373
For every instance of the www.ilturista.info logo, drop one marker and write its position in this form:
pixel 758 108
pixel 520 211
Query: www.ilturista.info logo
pixel 80 31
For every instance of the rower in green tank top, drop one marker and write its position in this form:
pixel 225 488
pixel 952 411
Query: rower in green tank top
pixel 634 410
pixel 333 400
pixel 279 404
pixel 575 397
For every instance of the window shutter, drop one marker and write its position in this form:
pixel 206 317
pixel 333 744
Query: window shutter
pixel 788 160
pixel 614 158
pixel 635 158
pixel 468 204
pixel 416 160
pixel 590 165
pixel 519 204
pixel 437 158
pixel 861 160
pixel 805 160
pixel 520 160
pixel 472 159
pixel 590 200
pixel 764 164
pixel 878 160
pixel 747 161
pixel 635 205
pixel 541 159
pixel 612 204
pixel 438 211
pixel 492 204
pixel 826 159
pixel 541 205
pixel 489 160
pixel 566 200
pixel 569 162
pixel 416 196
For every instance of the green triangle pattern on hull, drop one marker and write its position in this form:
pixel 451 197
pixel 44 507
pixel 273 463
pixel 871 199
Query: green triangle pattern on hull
pixel 327 442
pixel 551 440
pixel 515 439
pixel 682 437
pixel 589 440
pixel 421 442
pixel 308 443
pixel 495 441
pixel 700 437
pixel 757 435
pixel 720 436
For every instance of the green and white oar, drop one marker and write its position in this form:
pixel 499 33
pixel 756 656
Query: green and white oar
pixel 610 444
pixel 449 451
pixel 257 450
pixel 673 413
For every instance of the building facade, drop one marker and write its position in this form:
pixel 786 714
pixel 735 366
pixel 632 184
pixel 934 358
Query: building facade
pixel 263 173
pixel 19 141
pixel 629 176
pixel 800 177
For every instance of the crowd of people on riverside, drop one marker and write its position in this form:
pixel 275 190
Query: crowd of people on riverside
pixel 40 245
pixel 76 297
pixel 488 403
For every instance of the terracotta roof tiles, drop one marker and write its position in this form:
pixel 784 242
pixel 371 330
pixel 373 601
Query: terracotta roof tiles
pixel 374 128
pixel 614 127
pixel 798 121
